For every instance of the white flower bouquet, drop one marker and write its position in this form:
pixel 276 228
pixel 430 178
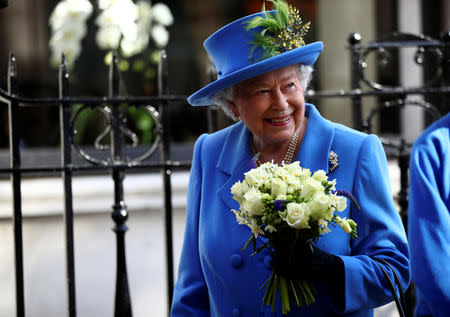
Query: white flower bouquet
pixel 290 207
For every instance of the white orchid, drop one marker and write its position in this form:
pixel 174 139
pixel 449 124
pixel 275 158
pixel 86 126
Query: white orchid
pixel 122 24
pixel 68 25
pixel 160 35
pixel 161 14
pixel 71 50
pixel 70 11
pixel 144 10
pixel 108 38
pixel 134 46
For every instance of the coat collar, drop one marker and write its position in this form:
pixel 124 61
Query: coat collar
pixel 236 154
pixel 316 145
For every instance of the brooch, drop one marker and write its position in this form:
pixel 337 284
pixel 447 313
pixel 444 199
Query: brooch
pixel 332 160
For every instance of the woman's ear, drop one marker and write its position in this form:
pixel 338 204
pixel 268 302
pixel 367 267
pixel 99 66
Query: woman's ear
pixel 233 108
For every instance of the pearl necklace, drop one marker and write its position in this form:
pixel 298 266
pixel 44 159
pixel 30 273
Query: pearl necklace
pixel 289 156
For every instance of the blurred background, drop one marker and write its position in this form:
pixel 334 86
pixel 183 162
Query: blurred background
pixel 27 29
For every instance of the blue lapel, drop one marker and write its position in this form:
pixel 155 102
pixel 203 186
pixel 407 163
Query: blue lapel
pixel 316 144
pixel 234 160
pixel 236 154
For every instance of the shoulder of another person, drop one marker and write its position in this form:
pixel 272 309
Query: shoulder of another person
pixel 437 133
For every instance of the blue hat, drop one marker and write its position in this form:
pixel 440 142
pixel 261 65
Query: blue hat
pixel 230 49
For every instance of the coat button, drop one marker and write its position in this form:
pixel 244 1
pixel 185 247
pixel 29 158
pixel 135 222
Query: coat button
pixel 236 260
pixel 267 261
pixel 236 312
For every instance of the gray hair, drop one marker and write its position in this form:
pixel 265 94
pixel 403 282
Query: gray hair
pixel 224 96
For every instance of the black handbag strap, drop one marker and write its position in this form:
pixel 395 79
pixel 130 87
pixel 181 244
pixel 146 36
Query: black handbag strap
pixel 399 302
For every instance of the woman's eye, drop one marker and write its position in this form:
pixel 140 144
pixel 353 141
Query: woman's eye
pixel 291 85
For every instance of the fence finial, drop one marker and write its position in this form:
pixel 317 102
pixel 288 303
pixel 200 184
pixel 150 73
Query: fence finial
pixel 354 38
pixel 12 67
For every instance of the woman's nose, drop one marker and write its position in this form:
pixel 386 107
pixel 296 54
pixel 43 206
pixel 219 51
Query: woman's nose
pixel 279 101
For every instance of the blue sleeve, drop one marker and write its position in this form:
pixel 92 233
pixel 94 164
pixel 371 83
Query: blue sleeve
pixel 380 233
pixel 429 224
pixel 190 296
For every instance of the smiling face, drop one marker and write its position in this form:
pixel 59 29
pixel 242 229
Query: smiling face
pixel 272 106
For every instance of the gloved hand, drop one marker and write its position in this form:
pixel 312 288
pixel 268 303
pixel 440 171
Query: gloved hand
pixel 306 261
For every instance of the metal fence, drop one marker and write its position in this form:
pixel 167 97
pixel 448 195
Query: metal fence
pixel 114 108
pixel 118 162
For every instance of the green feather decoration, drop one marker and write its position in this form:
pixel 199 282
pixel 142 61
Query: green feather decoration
pixel 281 31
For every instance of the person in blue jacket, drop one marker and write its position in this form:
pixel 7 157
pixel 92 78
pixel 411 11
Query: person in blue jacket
pixel 429 219
pixel 262 87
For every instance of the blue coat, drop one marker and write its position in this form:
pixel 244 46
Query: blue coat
pixel 216 279
pixel 429 219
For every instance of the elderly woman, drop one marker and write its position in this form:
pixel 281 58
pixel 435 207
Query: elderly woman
pixel 266 94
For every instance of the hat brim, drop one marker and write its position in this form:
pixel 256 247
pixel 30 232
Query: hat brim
pixel 306 55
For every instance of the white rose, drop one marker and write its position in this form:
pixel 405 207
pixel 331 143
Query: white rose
pixel 278 187
pixel 238 190
pixel 320 176
pixel 297 215
pixel 252 203
pixel 310 188
pixel 320 206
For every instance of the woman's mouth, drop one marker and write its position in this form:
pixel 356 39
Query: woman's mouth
pixel 280 121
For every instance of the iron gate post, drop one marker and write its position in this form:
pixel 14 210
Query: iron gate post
pixel 16 177
pixel 66 161
pixel 166 175
pixel 120 214
pixel 354 40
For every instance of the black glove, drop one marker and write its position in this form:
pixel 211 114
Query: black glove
pixel 307 262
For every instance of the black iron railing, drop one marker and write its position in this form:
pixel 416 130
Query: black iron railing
pixel 117 163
